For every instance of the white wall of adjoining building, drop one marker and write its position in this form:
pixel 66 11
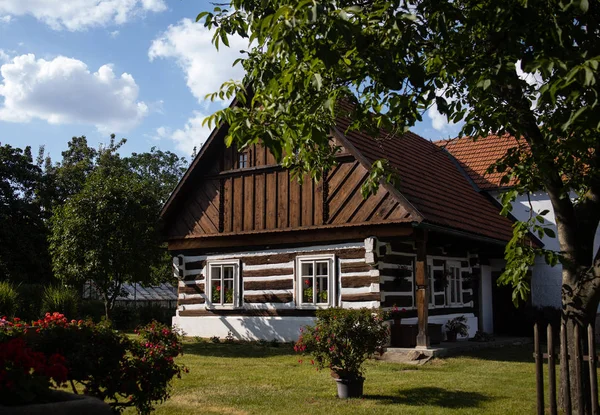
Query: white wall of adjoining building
pixel 545 280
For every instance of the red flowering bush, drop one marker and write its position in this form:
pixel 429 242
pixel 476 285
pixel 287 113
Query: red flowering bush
pixel 25 375
pixel 109 365
pixel 343 339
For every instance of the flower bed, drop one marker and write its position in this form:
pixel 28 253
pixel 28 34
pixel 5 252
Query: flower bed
pixel 107 364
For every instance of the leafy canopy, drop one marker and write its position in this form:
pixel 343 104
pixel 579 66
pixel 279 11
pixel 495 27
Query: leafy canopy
pixel 396 59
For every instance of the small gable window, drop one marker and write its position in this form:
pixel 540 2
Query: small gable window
pixel 315 281
pixel 223 280
pixel 243 160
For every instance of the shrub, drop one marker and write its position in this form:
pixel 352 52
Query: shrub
pixel 63 300
pixel 9 299
pixel 30 306
pixel 27 375
pixel 92 310
pixel 343 339
pixel 458 325
pixel 123 371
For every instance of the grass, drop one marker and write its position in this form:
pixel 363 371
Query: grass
pixel 242 379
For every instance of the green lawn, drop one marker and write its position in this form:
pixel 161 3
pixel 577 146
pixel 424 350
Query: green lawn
pixel 254 379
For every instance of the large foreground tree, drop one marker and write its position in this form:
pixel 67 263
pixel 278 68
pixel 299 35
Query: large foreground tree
pixel 526 68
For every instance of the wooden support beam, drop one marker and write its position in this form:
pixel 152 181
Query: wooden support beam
pixel 326 233
pixel 421 292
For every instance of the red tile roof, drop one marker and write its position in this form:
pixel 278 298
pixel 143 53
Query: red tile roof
pixel 432 183
pixel 475 156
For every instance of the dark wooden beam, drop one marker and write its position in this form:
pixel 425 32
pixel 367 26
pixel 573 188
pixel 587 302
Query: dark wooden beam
pixel 331 233
pixel 421 283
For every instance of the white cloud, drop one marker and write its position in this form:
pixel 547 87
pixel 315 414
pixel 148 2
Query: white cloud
pixel 534 79
pixel 438 121
pixel 205 68
pixel 193 134
pixel 114 34
pixel 4 57
pixel 5 19
pixel 80 14
pixel 64 91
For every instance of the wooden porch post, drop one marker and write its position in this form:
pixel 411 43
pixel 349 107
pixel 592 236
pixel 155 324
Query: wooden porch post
pixel 421 294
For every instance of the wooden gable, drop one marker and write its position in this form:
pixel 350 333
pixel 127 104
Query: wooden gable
pixel 247 192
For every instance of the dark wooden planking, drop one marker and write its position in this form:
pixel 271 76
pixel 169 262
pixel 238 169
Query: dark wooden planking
pixel 249 205
pixel 338 175
pixel 308 201
pixel 195 265
pixel 272 204
pixel 267 272
pixel 295 203
pixel 318 203
pixel 283 186
pixel 352 253
pixel 192 289
pixel 361 297
pixel 356 282
pixel 364 212
pixel 346 193
pixel 238 204
pixel 398 301
pixel 259 201
pixel 355 267
pixel 269 298
pixel 187 301
pixel 283 284
pixel 320 234
pixel 227 205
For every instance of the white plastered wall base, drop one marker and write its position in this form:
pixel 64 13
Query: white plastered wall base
pixel 472 321
pixel 283 329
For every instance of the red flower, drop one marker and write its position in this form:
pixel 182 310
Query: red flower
pixel 218 288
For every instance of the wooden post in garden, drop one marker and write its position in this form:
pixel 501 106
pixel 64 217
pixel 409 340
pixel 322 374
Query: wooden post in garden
pixel 539 370
pixel 578 368
pixel 421 294
pixel 593 359
pixel 564 363
pixel 551 371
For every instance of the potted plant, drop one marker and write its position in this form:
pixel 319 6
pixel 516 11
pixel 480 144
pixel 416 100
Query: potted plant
pixel 457 325
pixel 341 340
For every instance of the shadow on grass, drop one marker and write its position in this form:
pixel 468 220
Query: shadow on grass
pixel 236 350
pixel 521 354
pixel 430 396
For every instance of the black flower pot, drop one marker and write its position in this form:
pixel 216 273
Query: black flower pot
pixel 451 336
pixel 350 388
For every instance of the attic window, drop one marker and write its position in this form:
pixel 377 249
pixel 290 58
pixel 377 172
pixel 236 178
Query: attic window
pixel 243 160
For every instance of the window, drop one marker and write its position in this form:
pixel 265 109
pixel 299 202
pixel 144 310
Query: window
pixel 243 160
pixel 316 281
pixel 454 289
pixel 223 279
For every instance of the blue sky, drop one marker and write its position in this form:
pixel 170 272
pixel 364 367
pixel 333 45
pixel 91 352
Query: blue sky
pixel 138 68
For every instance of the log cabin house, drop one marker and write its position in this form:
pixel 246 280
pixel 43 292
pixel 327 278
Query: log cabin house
pixel 256 252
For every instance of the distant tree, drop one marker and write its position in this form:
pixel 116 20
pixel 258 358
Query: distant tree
pixel 23 248
pixel 108 232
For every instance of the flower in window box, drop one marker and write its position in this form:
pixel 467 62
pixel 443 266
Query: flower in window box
pixel 216 294
pixel 307 295
pixel 322 296
pixel 228 296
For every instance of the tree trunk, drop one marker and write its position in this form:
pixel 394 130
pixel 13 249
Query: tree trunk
pixel 579 305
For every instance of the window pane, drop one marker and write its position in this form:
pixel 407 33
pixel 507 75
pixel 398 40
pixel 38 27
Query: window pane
pixel 322 290
pixel 215 272
pixel 307 269
pixel 228 292
pixel 322 268
pixel 307 289
pixel 228 272
pixel 216 291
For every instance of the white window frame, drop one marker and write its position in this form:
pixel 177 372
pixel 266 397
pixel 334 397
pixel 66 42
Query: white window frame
pixel 237 291
pixel 331 281
pixel 432 293
pixel 454 281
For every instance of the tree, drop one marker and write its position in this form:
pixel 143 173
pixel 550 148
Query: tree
pixel 395 59
pixel 23 248
pixel 108 232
